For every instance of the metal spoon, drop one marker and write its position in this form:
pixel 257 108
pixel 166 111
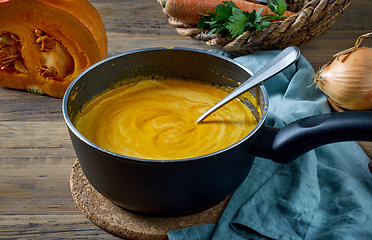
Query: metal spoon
pixel 276 65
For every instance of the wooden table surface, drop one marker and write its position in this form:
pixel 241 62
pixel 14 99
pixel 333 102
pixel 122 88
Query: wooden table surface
pixel 36 155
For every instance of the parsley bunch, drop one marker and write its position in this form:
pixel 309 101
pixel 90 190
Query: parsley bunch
pixel 230 20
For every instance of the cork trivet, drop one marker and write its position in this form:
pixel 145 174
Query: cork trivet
pixel 120 222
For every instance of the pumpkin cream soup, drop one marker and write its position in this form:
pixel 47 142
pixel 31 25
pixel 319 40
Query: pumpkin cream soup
pixel 155 119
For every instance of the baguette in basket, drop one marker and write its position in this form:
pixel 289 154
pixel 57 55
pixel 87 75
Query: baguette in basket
pixel 311 18
pixel 189 11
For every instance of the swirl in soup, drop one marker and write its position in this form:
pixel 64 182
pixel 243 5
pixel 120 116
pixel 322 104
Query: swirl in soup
pixel 155 119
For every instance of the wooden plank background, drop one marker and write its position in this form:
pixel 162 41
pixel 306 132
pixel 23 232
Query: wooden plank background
pixel 36 156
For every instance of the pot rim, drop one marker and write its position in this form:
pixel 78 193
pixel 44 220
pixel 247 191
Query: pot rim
pixel 155 161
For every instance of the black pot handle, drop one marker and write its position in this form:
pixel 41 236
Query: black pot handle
pixel 286 144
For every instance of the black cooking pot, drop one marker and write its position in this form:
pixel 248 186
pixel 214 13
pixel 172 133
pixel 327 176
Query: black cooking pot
pixel 180 187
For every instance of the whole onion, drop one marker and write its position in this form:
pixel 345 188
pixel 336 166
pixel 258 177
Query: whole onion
pixel 348 79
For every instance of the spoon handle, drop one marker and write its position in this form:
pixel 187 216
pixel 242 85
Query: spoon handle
pixel 276 65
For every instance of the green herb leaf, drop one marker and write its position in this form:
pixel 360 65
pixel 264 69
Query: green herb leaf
pixel 229 20
pixel 216 22
pixel 238 23
pixel 278 6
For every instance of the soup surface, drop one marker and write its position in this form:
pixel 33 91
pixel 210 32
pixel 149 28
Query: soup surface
pixel 155 119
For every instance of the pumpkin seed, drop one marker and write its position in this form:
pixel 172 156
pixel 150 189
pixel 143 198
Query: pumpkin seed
pixel 49 72
pixel 5 65
pixel 9 53
pixel 39 33
pixel 6 39
pixel 46 43
pixel 11 57
pixel 14 48
pixel 20 67
pixel 6 50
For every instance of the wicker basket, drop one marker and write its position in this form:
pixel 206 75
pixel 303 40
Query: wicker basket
pixel 311 19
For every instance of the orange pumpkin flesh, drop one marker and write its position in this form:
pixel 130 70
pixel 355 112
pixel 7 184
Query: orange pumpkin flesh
pixel 45 44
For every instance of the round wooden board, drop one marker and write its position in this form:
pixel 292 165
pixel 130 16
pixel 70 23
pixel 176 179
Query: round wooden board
pixel 120 222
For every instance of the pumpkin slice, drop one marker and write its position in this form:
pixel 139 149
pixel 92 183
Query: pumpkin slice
pixel 45 44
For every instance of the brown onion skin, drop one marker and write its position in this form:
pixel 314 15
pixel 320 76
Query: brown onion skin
pixel 348 80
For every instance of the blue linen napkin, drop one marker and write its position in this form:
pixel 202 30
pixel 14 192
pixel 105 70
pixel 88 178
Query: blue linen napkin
pixel 324 194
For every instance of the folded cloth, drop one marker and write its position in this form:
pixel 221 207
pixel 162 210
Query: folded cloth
pixel 324 194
